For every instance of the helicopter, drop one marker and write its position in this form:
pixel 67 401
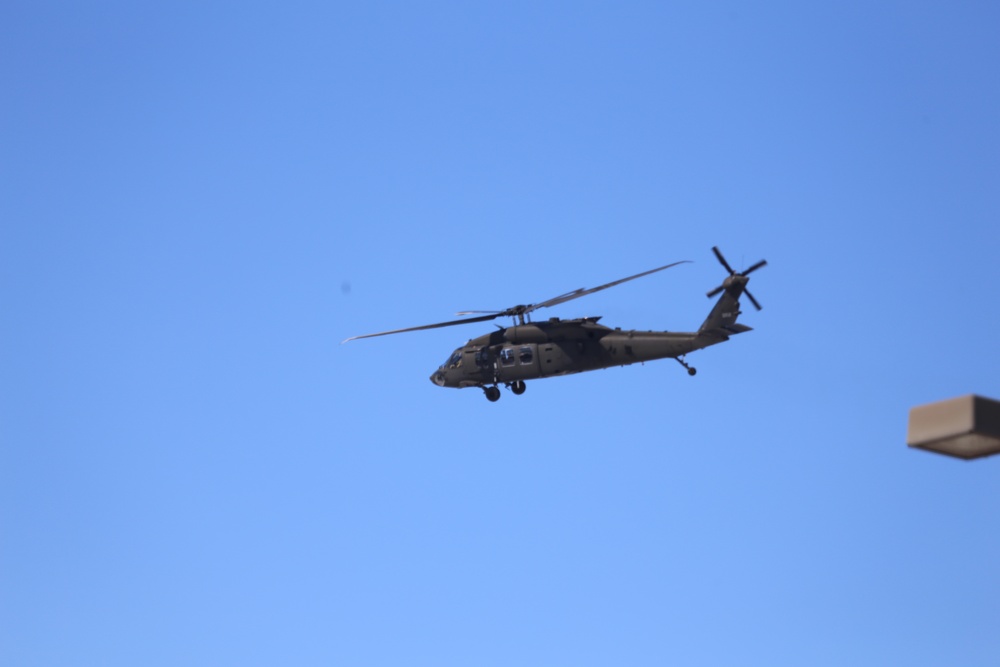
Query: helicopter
pixel 529 350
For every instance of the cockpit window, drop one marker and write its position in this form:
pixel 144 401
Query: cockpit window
pixel 455 360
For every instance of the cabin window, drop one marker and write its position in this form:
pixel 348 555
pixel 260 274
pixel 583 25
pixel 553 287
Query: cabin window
pixel 507 356
pixel 525 355
pixel 455 360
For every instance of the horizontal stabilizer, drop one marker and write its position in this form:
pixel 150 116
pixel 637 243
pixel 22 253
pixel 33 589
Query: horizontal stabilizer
pixel 737 328
pixel 725 332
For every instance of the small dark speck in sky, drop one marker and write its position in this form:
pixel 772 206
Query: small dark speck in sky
pixel 345 287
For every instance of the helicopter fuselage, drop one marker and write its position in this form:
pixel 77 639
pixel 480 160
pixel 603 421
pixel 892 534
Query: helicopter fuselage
pixel 560 347
pixel 530 350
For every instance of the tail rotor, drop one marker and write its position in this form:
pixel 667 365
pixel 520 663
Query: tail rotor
pixel 736 278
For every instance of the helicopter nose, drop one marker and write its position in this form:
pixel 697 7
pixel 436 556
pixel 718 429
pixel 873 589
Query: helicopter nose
pixel 438 378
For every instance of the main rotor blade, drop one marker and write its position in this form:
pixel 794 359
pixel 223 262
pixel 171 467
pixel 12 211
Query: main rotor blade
pixel 722 260
pixel 515 310
pixel 756 266
pixel 468 320
pixel 576 294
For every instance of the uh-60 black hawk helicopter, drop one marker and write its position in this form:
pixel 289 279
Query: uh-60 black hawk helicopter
pixel 533 350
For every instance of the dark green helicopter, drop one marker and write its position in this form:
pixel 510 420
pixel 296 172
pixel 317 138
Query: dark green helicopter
pixel 533 350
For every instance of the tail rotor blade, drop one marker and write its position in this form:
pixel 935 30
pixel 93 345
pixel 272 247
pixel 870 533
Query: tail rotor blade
pixel 722 260
pixel 736 280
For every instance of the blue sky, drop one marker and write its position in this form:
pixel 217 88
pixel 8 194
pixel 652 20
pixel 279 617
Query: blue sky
pixel 199 201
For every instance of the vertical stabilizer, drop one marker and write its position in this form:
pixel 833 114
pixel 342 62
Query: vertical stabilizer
pixel 726 310
pixel 723 316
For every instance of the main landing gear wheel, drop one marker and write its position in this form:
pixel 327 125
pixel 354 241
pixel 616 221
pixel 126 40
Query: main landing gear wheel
pixel 492 393
pixel 518 387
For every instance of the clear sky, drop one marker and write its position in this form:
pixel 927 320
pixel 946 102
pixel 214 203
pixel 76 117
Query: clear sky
pixel 199 201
